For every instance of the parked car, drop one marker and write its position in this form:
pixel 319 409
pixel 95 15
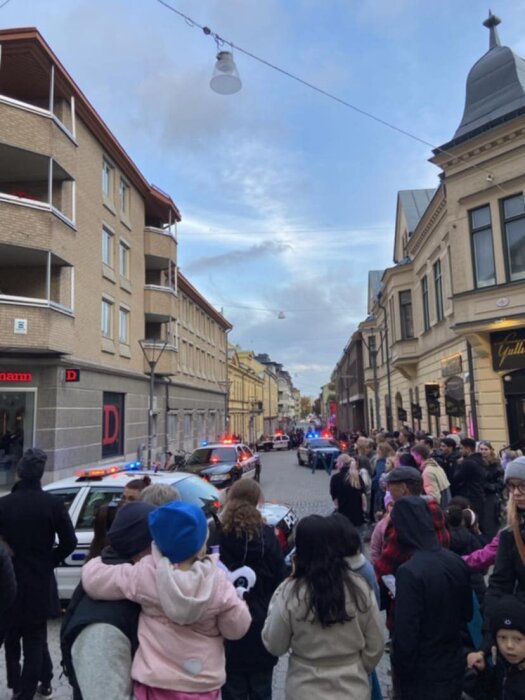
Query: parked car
pixel 84 493
pixel 280 442
pixel 264 443
pixel 223 463
pixel 317 451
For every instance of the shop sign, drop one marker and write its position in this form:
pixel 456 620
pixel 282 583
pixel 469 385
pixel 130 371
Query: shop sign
pixel 432 398
pixel 417 413
pixel 112 424
pixel 401 414
pixel 455 397
pixel 16 377
pixel 508 349
pixel 451 365
pixel 72 375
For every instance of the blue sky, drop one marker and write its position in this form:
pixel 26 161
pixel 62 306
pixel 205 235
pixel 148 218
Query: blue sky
pixel 287 198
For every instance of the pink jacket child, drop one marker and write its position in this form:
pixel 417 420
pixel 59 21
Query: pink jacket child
pixel 188 607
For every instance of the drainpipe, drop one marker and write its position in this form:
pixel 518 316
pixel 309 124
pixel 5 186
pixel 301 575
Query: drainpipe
pixel 472 391
pixel 387 349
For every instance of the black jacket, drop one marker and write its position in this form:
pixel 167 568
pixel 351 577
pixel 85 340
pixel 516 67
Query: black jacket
pixel 469 481
pixel 508 576
pixel 462 542
pixel 449 463
pixel 433 601
pixel 7 582
pixel 29 521
pixel 264 555
pixel 349 498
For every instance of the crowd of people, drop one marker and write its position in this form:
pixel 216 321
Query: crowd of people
pixel 165 611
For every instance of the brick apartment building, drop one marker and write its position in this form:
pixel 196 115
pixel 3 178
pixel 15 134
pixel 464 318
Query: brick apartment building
pixel 88 267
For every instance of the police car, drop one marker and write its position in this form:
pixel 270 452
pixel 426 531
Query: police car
pixel 224 462
pixel 318 451
pixel 84 493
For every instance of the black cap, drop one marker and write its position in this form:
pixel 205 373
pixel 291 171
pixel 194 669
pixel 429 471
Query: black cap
pixel 129 534
pixel 31 465
pixel 402 474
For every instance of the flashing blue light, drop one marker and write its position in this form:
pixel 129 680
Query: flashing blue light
pixel 204 443
pixel 133 466
pixel 312 435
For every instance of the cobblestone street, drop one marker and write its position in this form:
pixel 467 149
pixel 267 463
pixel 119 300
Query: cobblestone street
pixel 283 481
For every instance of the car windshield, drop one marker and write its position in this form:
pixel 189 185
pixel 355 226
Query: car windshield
pixel 212 455
pixel 322 442
pixel 195 490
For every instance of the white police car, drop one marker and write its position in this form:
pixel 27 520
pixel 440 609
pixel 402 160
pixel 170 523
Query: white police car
pixel 84 493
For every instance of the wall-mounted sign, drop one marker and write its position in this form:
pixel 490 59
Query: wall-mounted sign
pixel 401 414
pixel 20 326
pixel 415 410
pixel 451 365
pixel 112 424
pixel 455 397
pixel 432 398
pixel 508 349
pixel 72 375
pixel 16 377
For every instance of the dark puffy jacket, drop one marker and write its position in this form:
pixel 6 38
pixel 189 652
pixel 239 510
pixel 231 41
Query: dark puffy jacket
pixel 264 555
pixel 469 481
pixel 433 602
pixel 508 576
pixel 462 542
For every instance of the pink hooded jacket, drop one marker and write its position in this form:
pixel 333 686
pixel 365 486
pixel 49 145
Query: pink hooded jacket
pixel 185 617
pixel 481 559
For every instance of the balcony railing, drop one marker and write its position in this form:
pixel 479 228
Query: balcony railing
pixel 160 247
pixel 159 303
pixel 35 325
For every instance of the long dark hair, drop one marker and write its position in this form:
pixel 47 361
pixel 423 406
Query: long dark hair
pixel 320 567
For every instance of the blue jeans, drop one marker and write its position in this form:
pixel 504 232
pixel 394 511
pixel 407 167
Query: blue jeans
pixel 248 686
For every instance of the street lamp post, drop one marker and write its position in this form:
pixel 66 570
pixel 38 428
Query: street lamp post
pixel 152 349
pixel 388 378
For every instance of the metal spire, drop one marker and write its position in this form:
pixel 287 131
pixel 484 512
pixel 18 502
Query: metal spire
pixel 491 23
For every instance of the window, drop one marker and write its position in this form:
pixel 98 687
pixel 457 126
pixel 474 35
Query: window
pixel 372 350
pixel 514 228
pixel 405 311
pixel 107 247
pixel 97 497
pixel 107 318
pixel 424 299
pixel 483 251
pixel 123 326
pixel 438 289
pixel 123 196
pixel 107 179
pixel 124 259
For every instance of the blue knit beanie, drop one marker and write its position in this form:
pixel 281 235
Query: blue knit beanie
pixel 179 530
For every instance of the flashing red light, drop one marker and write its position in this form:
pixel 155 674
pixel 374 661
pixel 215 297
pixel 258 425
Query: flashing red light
pixel 227 441
pixel 99 471
pixel 326 434
pixel 215 459
pixel 278 432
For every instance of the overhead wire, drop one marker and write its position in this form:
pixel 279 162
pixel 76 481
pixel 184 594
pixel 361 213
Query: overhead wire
pixel 221 41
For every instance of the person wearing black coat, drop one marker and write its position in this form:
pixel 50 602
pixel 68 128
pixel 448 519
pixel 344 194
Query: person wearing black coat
pixel 470 478
pixel 245 540
pixel 7 588
pixel 433 605
pixel 30 519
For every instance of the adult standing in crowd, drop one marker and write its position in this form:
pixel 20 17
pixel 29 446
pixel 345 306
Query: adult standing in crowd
pixel 494 486
pixel 433 605
pixel 508 576
pixel 328 618
pixel 348 492
pixel 435 482
pixel 246 540
pixel 30 519
pixel 470 477
pixel 449 456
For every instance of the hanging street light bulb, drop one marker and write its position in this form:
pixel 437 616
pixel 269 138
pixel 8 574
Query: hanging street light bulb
pixel 281 315
pixel 225 79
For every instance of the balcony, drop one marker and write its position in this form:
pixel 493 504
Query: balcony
pixel 404 356
pixel 489 308
pixel 37 182
pixel 35 327
pixel 160 247
pixel 159 303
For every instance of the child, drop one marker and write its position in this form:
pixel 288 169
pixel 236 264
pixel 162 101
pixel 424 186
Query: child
pixel 502 676
pixel 188 607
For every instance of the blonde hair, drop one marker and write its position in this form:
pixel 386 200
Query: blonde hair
pixel 352 476
pixel 513 521
pixel 159 494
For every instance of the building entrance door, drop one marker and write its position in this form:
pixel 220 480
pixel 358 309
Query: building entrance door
pixel 17 421
pixel 514 386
